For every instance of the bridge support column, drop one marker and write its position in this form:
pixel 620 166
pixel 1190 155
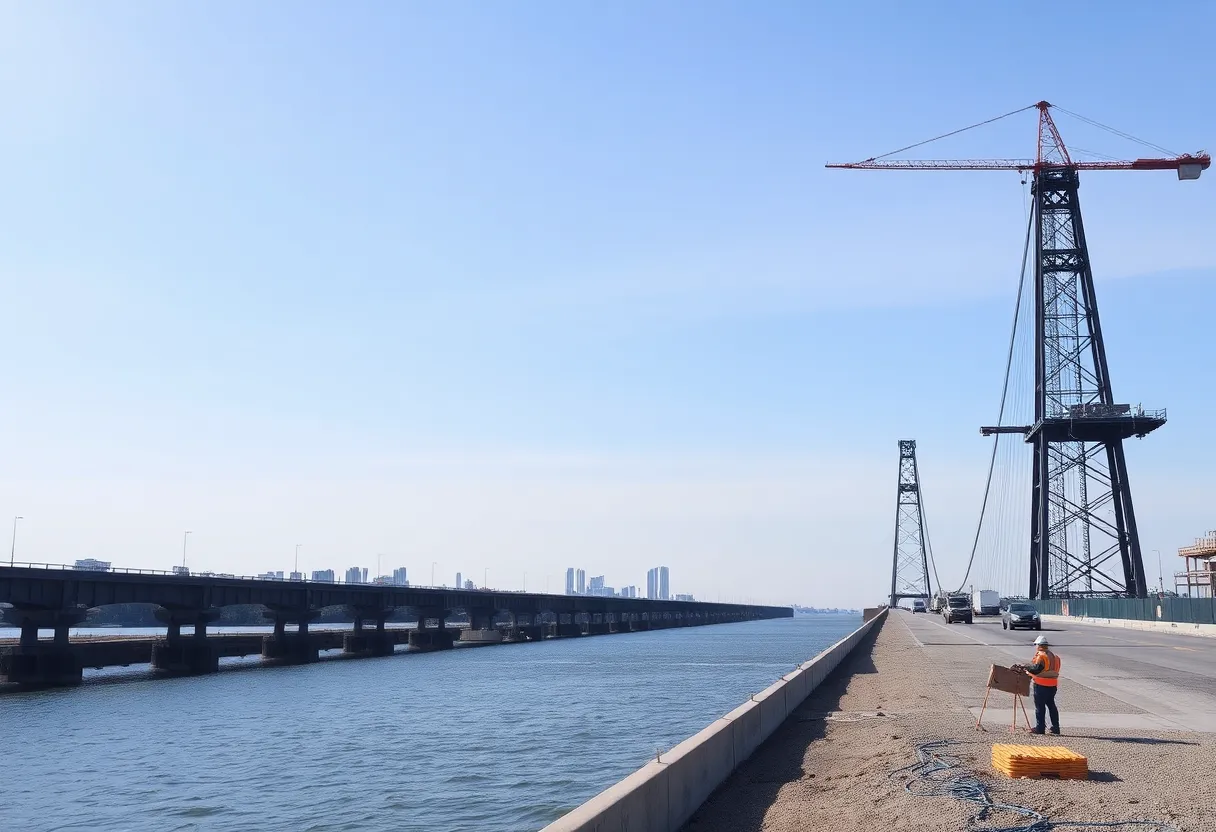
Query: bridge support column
pixel 597 624
pixel 185 656
pixel 286 647
pixel 424 639
pixel 564 627
pixel 34 663
pixel 373 642
pixel 637 624
pixel 481 630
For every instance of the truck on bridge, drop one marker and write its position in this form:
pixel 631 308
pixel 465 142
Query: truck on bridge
pixel 986 602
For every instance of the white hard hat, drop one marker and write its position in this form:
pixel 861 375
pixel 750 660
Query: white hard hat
pixel 1041 641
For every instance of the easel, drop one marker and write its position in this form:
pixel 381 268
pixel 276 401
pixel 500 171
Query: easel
pixel 1010 681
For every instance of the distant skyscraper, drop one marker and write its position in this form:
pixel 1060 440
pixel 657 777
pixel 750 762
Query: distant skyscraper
pixel 354 575
pixel 323 576
pixel 295 576
pixel 652 583
pixel 581 581
pixel 459 583
pixel 664 584
pixel 570 581
pixel 399 577
pixel 469 584
pixel 596 587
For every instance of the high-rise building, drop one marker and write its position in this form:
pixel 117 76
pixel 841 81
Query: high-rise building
pixel 596 587
pixel 570 581
pixel 459 583
pixel 652 583
pixel 399 577
pixel 664 584
pixel 355 575
pixel 581 581
pixel 468 584
pixel 323 576
pixel 295 576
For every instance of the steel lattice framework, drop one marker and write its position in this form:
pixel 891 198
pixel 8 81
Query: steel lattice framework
pixel 1083 525
pixel 910 562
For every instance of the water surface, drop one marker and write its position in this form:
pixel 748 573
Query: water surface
pixel 494 738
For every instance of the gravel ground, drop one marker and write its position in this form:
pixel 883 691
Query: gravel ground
pixel 829 766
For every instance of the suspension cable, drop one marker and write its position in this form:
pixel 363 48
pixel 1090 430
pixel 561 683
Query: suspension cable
pixel 953 133
pixel 1118 133
pixel 1017 310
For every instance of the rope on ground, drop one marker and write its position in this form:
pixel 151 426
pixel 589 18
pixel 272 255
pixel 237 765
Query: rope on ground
pixel 937 773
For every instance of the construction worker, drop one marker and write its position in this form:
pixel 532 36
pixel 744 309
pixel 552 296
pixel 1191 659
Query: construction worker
pixel 1044 671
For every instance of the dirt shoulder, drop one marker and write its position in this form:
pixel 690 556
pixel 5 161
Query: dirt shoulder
pixel 829 766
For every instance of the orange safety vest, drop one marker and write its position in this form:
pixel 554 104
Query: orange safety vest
pixel 1050 674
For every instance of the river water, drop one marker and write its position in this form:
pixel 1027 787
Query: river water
pixel 495 738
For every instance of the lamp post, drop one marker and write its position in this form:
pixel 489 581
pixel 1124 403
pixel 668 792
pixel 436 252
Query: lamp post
pixel 485 579
pixel 1160 576
pixel 185 537
pixel 12 554
pixel 433 573
pixel 525 580
pixel 296 568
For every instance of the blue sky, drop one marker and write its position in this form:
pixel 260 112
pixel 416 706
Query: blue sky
pixel 522 286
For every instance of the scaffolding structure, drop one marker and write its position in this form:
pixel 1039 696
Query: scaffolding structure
pixel 1199 575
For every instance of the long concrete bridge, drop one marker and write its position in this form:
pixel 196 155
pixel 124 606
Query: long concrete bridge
pixel 57 599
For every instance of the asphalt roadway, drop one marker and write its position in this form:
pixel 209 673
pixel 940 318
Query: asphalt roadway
pixel 1110 677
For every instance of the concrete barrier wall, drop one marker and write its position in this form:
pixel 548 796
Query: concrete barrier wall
pixel 663 794
pixel 1208 630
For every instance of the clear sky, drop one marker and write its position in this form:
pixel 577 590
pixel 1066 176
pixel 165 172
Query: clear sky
pixel 522 286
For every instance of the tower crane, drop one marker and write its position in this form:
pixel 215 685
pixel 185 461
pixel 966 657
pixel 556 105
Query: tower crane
pixel 1083 524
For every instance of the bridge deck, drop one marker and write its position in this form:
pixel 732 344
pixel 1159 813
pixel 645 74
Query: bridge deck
pixel 1140 706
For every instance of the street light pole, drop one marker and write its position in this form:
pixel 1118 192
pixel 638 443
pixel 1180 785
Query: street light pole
pixel 525 580
pixel 12 554
pixel 185 537
pixel 1160 576
pixel 485 579
pixel 296 569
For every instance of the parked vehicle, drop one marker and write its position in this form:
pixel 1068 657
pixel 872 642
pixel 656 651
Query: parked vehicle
pixel 1020 614
pixel 986 602
pixel 957 608
pixel 918 605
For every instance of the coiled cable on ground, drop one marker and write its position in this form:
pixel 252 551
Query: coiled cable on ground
pixel 937 773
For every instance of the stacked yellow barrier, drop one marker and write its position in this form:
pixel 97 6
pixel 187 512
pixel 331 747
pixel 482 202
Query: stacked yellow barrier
pixel 1039 761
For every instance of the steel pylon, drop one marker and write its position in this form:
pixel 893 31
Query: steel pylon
pixel 910 561
pixel 1084 539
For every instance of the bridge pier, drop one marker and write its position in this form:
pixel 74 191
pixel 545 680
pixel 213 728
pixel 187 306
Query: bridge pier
pixel 374 642
pixel 185 656
pixel 424 639
pixel 285 647
pixel 481 630
pixel 34 663
pixel 564 628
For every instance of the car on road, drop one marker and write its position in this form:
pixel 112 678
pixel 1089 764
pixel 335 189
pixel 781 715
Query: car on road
pixel 1020 615
pixel 918 605
pixel 957 608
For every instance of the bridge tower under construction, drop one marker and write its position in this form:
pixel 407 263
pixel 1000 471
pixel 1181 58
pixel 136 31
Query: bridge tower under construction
pixel 910 561
pixel 1083 535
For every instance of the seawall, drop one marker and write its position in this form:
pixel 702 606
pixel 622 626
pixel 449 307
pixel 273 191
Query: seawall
pixel 663 794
